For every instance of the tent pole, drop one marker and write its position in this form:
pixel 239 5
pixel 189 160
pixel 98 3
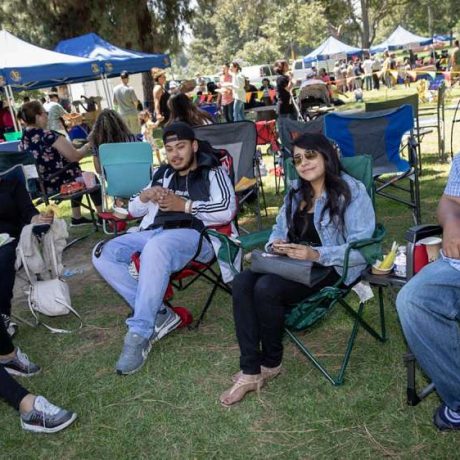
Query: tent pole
pixel 107 91
pixel 10 96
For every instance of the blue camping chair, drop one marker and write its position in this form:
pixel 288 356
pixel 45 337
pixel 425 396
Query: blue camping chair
pixel 380 135
pixel 126 168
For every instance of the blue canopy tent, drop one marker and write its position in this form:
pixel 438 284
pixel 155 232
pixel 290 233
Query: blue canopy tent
pixel 331 49
pixel 401 38
pixel 112 59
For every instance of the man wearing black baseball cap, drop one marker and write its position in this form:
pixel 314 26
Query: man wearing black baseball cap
pixel 189 193
pixel 126 101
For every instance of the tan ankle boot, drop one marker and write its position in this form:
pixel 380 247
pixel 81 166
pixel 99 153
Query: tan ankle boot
pixel 243 385
pixel 268 373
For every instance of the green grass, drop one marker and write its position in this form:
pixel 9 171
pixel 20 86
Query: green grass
pixel 170 408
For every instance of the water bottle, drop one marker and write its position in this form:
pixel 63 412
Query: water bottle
pixel 400 262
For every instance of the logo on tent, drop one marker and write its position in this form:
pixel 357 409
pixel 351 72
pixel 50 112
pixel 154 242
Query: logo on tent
pixel 108 67
pixel 95 68
pixel 15 75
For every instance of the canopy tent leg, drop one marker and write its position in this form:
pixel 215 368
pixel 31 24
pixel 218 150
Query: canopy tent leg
pixel 108 94
pixel 10 97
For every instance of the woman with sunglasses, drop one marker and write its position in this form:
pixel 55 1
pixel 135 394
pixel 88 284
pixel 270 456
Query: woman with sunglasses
pixel 326 211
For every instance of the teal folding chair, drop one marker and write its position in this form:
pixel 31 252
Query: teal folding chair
pixel 126 168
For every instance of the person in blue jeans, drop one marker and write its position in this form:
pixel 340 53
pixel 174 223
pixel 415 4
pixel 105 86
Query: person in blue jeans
pixel 429 310
pixel 189 193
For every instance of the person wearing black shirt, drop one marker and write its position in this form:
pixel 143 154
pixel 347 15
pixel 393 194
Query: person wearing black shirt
pixel 16 211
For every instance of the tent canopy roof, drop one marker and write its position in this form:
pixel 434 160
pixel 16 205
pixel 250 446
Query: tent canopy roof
pixel 112 58
pixel 25 65
pixel 401 38
pixel 329 49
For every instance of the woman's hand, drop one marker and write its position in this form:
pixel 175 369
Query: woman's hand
pixel 42 218
pixel 298 251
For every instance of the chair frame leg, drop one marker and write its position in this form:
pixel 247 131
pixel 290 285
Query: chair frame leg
pixel 358 321
pixel 413 396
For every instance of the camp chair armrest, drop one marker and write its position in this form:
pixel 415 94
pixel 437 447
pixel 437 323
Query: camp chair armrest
pixel 418 232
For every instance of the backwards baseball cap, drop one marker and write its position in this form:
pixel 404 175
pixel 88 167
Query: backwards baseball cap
pixel 178 131
pixel 124 74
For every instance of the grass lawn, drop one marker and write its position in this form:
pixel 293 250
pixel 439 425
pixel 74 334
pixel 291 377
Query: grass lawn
pixel 170 408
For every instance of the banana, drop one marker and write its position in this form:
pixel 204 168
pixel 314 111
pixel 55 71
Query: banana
pixel 389 259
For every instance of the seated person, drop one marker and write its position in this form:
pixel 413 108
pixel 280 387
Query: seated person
pixel 37 414
pixel 266 88
pixel 16 211
pixel 52 152
pixel 190 192
pixel 108 128
pixel 429 310
pixel 317 221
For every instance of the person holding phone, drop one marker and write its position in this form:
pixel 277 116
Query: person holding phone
pixel 327 210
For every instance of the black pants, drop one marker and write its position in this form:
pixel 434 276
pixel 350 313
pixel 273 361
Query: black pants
pixel 376 80
pixel 259 305
pixel 10 390
pixel 228 112
pixel 7 275
pixel 96 197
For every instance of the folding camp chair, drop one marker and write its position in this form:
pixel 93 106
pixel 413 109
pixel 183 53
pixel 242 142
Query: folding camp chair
pixel 379 134
pixel 413 101
pixel 431 117
pixel 268 135
pixel 307 313
pixel 126 168
pixel 239 139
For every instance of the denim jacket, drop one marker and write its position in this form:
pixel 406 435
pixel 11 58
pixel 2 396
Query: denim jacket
pixel 359 223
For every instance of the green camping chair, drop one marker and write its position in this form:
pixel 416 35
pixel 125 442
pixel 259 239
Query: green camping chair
pixel 308 312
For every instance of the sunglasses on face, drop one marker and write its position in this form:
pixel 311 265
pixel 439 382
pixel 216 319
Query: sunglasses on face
pixel 307 155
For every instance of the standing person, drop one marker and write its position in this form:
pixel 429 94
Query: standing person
pixel 126 100
pixel 376 67
pixel 386 67
pixel 160 96
pixel 189 193
pixel 317 222
pixel 226 94
pixel 367 67
pixel 239 92
pixel 55 114
pixel 285 108
pixel 429 310
pixel 338 76
pixel 350 76
pixel 36 413
pixel 147 128
pixel 455 61
pixel 52 152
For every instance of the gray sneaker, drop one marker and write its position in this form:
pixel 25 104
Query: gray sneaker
pixel 20 365
pixel 11 327
pixel 166 321
pixel 46 417
pixel 134 353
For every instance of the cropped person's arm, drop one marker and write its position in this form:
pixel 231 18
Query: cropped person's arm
pixel 359 224
pixel 449 219
pixel 68 151
pixel 221 207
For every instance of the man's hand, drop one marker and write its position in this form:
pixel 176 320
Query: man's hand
pixel 42 218
pixel 451 239
pixel 171 202
pixel 297 251
pixel 152 194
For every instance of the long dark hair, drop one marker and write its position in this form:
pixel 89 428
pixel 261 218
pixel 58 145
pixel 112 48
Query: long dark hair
pixel 338 194
pixel 183 109
pixel 109 128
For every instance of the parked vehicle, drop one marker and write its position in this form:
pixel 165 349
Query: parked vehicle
pixel 256 73
pixel 298 70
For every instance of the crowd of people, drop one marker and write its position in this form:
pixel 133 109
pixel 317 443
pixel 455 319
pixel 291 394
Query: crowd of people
pixel 190 191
